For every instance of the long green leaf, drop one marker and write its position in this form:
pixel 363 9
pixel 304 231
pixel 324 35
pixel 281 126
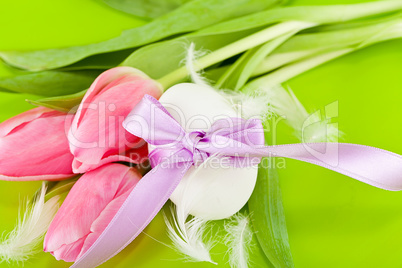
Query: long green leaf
pixel 157 60
pixel 148 58
pixel 307 45
pixel 49 83
pixel 287 72
pixel 334 39
pixel 102 61
pixel 236 48
pixel 316 14
pixel 238 74
pixel 268 218
pixel 189 17
pixel 67 103
pixel 214 37
pixel 149 9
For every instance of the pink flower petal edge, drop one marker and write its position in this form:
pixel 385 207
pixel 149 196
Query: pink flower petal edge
pixel 89 207
pixel 34 146
pixel 96 136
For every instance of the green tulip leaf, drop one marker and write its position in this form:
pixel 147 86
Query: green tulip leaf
pixel 148 58
pixel 149 9
pixel 173 52
pixel 49 83
pixel 192 16
pixel 268 218
pixel 238 73
pixel 287 72
pixel 306 45
pixel 102 61
pixel 67 103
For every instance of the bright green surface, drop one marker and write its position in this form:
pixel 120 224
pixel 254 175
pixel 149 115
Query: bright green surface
pixel 333 221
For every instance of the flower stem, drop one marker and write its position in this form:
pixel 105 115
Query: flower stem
pixel 294 19
pixel 307 45
pixel 290 71
pixel 393 31
pixel 235 48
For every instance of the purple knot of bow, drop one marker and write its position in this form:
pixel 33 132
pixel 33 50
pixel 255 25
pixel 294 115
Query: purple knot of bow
pixel 236 139
pixel 190 144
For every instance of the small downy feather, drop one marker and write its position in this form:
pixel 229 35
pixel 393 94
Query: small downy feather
pixel 191 61
pixel 187 236
pixel 239 240
pixel 187 232
pixel 249 105
pixel 23 242
pixel 308 127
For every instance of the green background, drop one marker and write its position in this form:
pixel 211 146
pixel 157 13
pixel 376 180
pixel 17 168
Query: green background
pixel 333 221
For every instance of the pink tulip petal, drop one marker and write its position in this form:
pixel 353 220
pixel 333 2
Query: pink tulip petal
pixel 88 208
pixel 54 177
pixel 10 124
pixel 135 156
pixel 104 82
pixel 69 252
pixel 106 216
pixel 97 136
pixel 34 146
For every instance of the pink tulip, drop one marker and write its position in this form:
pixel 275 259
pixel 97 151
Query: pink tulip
pixel 34 146
pixel 89 207
pixel 97 136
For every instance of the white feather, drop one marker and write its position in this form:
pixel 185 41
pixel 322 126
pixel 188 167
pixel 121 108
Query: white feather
pixel 191 65
pixel 21 243
pixel 187 232
pixel 239 240
pixel 308 127
pixel 187 237
pixel 249 105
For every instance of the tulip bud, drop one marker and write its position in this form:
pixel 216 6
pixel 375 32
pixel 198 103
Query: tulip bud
pixel 34 146
pixel 88 209
pixel 96 136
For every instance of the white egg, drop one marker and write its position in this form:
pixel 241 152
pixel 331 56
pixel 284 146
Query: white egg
pixel 211 192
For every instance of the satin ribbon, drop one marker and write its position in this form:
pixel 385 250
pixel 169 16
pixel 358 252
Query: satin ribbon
pixel 235 139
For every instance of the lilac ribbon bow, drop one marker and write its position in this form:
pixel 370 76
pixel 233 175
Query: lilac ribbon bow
pixel 236 139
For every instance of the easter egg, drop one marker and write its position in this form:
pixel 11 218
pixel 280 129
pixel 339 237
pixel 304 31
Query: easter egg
pixel 210 192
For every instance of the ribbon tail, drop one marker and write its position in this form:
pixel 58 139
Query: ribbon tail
pixel 374 166
pixel 141 206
